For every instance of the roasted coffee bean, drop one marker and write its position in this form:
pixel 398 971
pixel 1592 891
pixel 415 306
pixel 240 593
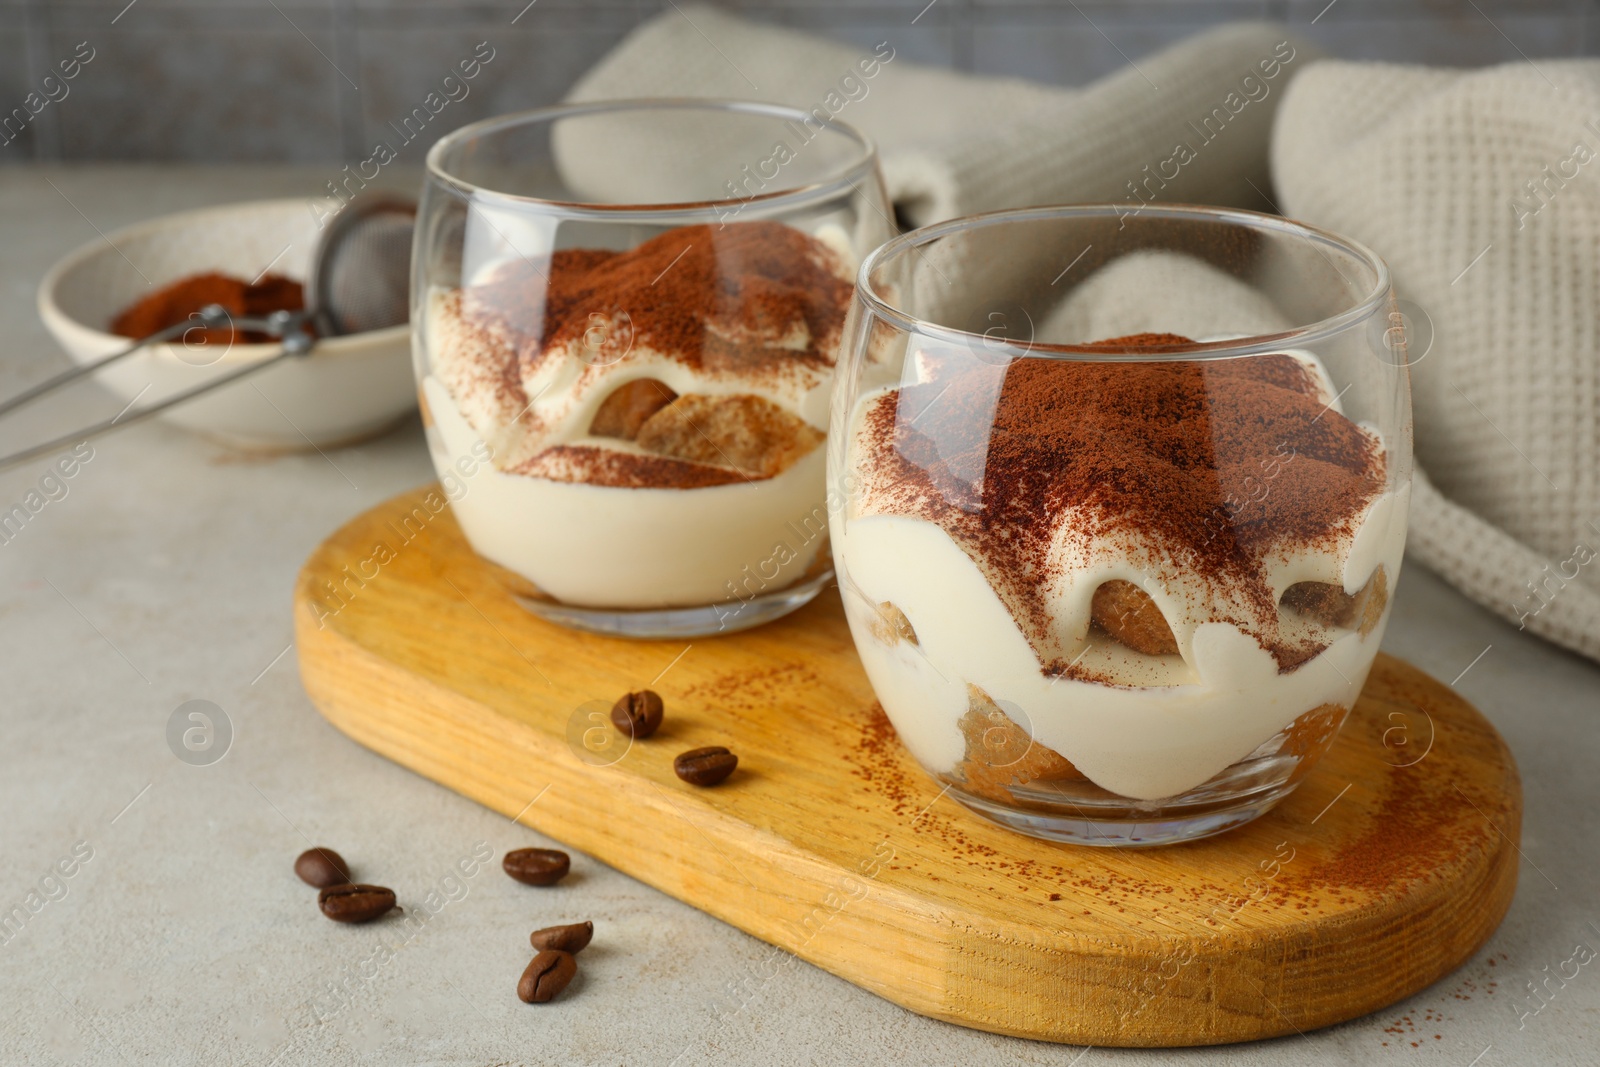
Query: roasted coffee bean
pixel 705 766
pixel 573 938
pixel 637 714
pixel 322 867
pixel 546 976
pixel 355 903
pixel 537 866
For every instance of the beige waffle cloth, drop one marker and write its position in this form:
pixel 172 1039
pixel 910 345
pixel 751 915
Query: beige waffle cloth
pixel 1469 184
pixel 953 144
pixel 1428 167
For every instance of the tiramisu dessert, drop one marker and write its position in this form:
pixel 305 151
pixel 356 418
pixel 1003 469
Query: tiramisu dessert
pixel 1126 575
pixel 652 416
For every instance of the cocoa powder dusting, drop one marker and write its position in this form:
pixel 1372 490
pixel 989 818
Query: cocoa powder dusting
pixel 697 294
pixel 1174 451
pixel 623 470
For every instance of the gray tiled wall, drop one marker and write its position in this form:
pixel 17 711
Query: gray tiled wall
pixel 248 80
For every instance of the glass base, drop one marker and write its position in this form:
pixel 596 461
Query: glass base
pixel 1127 825
pixel 660 623
pixel 1072 809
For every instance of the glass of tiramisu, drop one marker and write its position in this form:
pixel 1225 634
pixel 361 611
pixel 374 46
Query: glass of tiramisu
pixel 1118 499
pixel 626 320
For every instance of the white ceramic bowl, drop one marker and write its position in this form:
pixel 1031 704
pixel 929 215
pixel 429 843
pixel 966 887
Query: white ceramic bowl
pixel 346 389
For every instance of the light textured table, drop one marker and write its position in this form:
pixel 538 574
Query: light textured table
pixel 164 575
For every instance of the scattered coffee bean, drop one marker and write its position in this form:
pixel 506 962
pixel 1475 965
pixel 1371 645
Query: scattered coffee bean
pixel 537 866
pixel 322 867
pixel 637 715
pixel 572 938
pixel 546 976
pixel 355 903
pixel 705 766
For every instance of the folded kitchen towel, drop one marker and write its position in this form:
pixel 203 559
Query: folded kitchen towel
pixel 1481 188
pixel 1190 123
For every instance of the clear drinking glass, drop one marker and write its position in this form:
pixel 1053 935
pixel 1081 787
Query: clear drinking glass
pixel 1118 498
pixel 626 317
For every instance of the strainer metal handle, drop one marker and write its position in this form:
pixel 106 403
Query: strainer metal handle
pixel 288 326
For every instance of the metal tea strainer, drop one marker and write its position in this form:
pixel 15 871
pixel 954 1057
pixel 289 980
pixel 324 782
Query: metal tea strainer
pixel 359 280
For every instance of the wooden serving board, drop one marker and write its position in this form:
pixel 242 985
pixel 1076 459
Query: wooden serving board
pixel 1387 868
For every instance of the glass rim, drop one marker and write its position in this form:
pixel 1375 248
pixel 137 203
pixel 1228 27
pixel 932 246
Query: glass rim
pixel 846 176
pixel 1258 344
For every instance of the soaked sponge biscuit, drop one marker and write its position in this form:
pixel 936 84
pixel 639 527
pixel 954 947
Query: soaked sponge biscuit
pixel 629 407
pixel 748 433
pixel 1000 754
pixel 1129 615
pixel 1329 604
pixel 891 626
